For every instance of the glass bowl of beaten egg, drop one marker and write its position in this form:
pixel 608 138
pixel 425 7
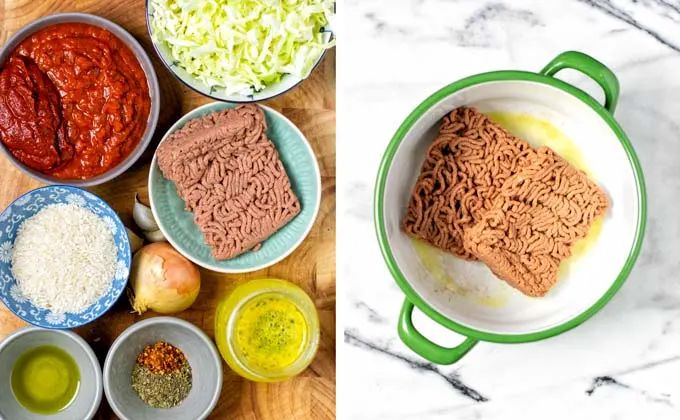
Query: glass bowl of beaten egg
pixel 267 330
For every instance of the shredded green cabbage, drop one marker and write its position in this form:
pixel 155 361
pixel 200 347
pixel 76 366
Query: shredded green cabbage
pixel 243 45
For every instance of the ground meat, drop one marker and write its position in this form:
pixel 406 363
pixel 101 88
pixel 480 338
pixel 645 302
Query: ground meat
pixel 464 169
pixel 539 214
pixel 229 174
pixel 484 194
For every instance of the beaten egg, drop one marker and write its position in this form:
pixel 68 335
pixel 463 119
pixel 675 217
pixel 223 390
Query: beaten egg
pixel 270 332
pixel 267 329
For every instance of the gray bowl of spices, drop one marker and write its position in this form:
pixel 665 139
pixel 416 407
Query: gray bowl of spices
pixel 163 367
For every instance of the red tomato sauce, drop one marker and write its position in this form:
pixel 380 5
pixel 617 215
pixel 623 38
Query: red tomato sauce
pixel 74 101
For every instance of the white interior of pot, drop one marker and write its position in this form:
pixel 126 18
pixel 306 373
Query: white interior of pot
pixel 495 307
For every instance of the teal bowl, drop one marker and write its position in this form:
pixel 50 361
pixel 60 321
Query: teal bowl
pixel 178 225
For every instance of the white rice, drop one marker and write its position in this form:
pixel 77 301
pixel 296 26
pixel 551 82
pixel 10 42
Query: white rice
pixel 64 258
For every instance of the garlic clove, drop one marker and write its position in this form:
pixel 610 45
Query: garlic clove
pixel 155 236
pixel 143 216
pixel 135 241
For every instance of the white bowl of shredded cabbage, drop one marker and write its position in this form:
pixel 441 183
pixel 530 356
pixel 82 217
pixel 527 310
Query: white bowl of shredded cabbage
pixel 241 50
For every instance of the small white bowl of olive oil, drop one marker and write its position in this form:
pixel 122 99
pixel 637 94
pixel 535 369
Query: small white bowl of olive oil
pixel 48 374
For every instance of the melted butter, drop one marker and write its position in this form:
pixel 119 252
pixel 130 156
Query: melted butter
pixel 538 133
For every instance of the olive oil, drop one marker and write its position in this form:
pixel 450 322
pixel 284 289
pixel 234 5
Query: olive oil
pixel 45 379
pixel 539 133
pixel 433 261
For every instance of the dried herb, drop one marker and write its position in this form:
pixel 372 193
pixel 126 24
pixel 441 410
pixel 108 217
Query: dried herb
pixel 162 376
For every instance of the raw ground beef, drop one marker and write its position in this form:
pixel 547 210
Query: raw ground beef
pixel 464 169
pixel 485 194
pixel 229 174
pixel 539 215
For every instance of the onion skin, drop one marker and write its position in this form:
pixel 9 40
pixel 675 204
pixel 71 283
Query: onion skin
pixel 162 280
pixel 135 241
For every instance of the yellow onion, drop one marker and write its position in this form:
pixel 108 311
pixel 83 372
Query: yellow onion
pixel 162 280
pixel 135 241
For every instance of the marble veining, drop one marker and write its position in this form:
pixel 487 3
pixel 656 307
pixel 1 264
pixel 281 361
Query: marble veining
pixel 452 378
pixel 621 11
pixel 609 381
pixel 624 363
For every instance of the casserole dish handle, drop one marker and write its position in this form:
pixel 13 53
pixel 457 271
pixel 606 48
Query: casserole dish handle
pixel 590 67
pixel 426 348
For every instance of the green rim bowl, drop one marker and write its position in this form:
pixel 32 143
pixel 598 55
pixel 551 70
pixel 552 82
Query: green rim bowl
pixel 178 225
pixel 205 362
pixel 89 394
pixel 590 281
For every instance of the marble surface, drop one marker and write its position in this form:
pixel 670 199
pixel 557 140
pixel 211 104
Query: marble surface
pixel 622 364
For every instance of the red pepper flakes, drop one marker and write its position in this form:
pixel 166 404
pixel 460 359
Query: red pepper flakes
pixel 161 358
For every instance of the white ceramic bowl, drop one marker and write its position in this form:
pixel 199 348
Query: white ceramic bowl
pixel 286 83
pixel 205 362
pixel 501 313
pixel 89 395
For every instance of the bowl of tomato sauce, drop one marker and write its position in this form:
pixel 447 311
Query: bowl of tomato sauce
pixel 79 99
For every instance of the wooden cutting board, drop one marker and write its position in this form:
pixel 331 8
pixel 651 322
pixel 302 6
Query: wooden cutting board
pixel 311 106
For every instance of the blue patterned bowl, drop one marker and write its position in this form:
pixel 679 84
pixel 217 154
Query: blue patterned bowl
pixel 28 205
pixel 178 225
